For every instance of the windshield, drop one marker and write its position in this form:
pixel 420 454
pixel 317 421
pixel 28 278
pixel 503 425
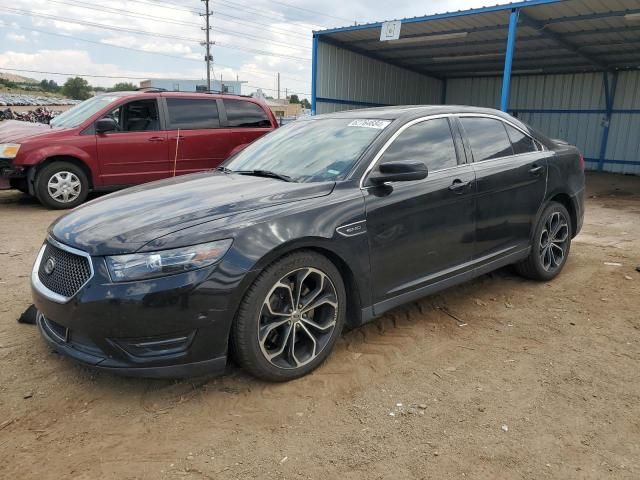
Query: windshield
pixel 78 114
pixel 310 150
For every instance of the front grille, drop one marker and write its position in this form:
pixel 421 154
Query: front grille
pixel 70 271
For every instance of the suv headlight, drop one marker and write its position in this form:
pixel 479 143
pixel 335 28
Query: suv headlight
pixel 9 150
pixel 140 266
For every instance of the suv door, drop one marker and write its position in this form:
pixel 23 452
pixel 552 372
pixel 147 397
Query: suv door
pixel 137 151
pixel 244 122
pixel 421 232
pixel 196 141
pixel 511 172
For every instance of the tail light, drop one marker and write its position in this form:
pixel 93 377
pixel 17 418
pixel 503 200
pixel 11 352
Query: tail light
pixel 582 167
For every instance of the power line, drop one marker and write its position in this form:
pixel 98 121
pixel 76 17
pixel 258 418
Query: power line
pixel 129 13
pixel 315 12
pixel 254 11
pixel 150 34
pixel 262 73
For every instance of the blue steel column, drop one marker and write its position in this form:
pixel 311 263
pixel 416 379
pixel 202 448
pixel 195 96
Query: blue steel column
pixel 609 95
pixel 508 60
pixel 314 73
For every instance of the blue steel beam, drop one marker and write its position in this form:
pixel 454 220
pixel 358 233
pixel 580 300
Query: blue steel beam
pixel 508 60
pixel 560 40
pixel 610 95
pixel 314 73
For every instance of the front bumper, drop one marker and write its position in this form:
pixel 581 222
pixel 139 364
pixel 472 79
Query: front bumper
pixel 174 326
pixel 9 170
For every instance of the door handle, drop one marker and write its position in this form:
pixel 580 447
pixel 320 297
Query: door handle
pixel 458 186
pixel 536 170
pixel 156 139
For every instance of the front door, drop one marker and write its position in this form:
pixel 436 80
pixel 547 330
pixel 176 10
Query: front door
pixel 511 183
pixel 421 232
pixel 137 151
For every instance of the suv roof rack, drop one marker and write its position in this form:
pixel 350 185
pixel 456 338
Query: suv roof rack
pixel 151 89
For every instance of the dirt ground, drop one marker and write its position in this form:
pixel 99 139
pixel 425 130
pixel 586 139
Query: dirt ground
pixel 542 381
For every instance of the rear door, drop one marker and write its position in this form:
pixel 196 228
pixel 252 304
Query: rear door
pixel 137 151
pixel 196 141
pixel 511 172
pixel 244 122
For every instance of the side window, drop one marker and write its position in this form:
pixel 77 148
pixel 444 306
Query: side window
pixel 192 113
pixel 138 116
pixel 429 141
pixel 245 114
pixel 488 138
pixel 521 143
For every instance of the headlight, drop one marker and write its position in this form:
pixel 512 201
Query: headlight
pixel 139 266
pixel 9 150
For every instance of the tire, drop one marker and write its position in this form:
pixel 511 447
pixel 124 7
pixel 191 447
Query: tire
pixel 544 262
pixel 73 189
pixel 266 327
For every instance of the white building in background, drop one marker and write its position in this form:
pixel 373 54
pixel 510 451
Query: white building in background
pixel 184 85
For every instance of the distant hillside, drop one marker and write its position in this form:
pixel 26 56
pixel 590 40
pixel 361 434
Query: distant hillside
pixel 17 78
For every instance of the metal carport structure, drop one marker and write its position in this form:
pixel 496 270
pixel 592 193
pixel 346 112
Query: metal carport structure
pixel 567 67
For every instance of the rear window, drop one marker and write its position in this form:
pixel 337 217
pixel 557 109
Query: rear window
pixel 192 113
pixel 488 138
pixel 245 114
pixel 521 143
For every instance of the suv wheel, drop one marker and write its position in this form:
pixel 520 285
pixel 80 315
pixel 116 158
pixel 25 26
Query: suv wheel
pixel 61 185
pixel 551 244
pixel 290 318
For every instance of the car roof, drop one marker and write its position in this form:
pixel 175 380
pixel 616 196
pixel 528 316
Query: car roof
pixel 407 112
pixel 168 93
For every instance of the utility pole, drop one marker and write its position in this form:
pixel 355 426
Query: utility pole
pixel 278 85
pixel 208 57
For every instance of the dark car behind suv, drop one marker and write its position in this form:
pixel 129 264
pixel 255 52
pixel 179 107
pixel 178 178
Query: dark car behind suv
pixel 328 221
pixel 127 138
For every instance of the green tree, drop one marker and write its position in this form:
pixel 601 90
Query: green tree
pixel 305 103
pixel 77 88
pixel 123 87
pixel 49 86
pixel 294 99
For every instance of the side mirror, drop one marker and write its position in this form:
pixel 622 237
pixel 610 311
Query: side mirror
pixel 105 125
pixel 399 171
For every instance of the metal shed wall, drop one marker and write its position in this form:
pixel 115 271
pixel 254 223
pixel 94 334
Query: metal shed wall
pixel 571 107
pixel 348 80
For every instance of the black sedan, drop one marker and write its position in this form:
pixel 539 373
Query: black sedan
pixel 325 223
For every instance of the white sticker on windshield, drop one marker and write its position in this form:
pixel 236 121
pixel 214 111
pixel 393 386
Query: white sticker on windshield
pixel 377 124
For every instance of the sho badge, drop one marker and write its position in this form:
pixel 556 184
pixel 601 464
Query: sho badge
pixel 49 266
pixel 353 229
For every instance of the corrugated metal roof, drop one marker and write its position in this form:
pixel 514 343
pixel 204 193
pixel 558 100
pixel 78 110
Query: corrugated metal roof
pixel 554 36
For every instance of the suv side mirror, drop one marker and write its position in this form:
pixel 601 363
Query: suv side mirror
pixel 399 171
pixel 105 125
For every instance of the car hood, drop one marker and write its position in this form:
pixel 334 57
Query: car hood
pixel 15 131
pixel 125 221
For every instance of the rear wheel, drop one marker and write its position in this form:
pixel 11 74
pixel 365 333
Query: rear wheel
pixel 290 318
pixel 551 244
pixel 61 185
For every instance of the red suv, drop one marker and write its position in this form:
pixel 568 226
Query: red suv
pixel 119 139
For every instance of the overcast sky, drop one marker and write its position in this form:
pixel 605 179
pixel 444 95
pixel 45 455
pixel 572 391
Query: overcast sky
pixel 35 36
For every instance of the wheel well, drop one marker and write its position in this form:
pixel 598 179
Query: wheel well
pixel 76 161
pixel 350 285
pixel 565 200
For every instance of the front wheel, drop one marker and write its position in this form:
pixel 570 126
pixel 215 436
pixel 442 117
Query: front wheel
pixel 61 185
pixel 551 244
pixel 290 318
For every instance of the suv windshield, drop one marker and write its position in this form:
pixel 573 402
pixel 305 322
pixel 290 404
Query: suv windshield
pixel 78 114
pixel 309 150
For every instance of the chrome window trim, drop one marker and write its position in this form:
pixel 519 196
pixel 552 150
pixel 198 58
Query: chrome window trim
pixel 41 288
pixel 388 143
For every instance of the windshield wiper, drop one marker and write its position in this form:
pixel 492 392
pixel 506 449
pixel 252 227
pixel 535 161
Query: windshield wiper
pixel 262 173
pixel 224 169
